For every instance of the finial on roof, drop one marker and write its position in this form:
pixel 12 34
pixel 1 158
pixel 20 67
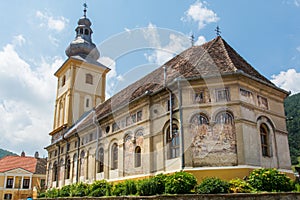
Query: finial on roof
pixel 192 40
pixel 218 31
pixel 23 154
pixel 85 9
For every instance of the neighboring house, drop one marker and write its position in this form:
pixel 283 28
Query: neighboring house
pixel 21 176
pixel 206 111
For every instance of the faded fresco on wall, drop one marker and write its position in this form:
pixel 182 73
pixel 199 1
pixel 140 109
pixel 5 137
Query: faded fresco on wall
pixel 213 145
pixel 130 144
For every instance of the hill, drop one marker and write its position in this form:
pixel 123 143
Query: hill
pixel 292 110
pixel 5 153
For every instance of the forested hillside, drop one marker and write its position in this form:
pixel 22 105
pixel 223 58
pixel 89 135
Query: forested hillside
pixel 292 109
pixel 5 153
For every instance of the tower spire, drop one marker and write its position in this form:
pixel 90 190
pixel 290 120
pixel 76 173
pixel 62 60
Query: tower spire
pixel 218 31
pixel 85 9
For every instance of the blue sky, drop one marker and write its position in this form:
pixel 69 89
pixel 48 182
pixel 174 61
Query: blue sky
pixel 35 34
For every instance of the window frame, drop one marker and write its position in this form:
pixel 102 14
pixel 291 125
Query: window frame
pixel 264 132
pixel 26 183
pixel 222 94
pixel 173 143
pixel 9 183
pixel 114 156
pixel 89 78
pixel 137 156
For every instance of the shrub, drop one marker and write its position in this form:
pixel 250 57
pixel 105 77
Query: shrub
pixel 160 182
pixel 270 180
pixel 130 187
pixel 79 190
pixel 119 189
pixel 65 191
pixel 52 193
pixel 100 188
pixel 240 186
pixel 212 185
pixel 147 187
pixel 180 183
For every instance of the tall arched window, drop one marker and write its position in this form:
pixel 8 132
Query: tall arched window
pixel 63 81
pixel 101 161
pixel 137 157
pixel 199 119
pixel 75 163
pixel 89 79
pixel 82 154
pixel 264 138
pixel 114 156
pixel 68 168
pixel 173 142
pixel 224 118
pixel 54 172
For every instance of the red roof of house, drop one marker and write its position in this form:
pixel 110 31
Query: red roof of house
pixel 12 162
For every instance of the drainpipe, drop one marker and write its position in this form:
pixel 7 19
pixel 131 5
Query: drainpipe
pixel 97 147
pixel 67 143
pixel 170 100
pixel 77 166
pixel 58 165
pixel 181 126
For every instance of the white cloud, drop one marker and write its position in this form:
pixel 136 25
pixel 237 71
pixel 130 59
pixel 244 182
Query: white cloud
pixel 57 24
pixel 162 53
pixel 27 97
pixel 199 13
pixel 201 40
pixel 19 40
pixel 289 80
pixel 297 3
pixel 112 77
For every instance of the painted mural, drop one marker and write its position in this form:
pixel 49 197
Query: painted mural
pixel 213 144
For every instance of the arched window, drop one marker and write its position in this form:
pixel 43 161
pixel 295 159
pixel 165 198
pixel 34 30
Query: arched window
pixel 101 161
pixel 199 119
pixel 137 157
pixel 75 164
pixel 86 32
pixel 54 173
pixel 173 142
pixel 68 168
pixel 89 79
pixel 81 31
pixel 224 118
pixel 63 81
pixel 114 156
pixel 264 138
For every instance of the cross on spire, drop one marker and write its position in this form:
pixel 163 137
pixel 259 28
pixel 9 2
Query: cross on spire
pixel 85 9
pixel 192 39
pixel 218 31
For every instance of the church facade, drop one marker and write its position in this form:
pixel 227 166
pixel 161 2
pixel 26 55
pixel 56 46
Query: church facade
pixel 206 111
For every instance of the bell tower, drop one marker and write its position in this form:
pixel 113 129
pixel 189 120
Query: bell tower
pixel 80 80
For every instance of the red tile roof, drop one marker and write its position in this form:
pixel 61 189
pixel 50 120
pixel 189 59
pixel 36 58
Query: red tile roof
pixel 12 162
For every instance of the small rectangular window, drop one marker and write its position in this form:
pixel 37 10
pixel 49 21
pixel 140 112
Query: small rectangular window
pixel 222 94
pixel 246 95
pixel 87 103
pixel 115 127
pixel 7 196
pixel 262 102
pixel 139 116
pixel 172 102
pixel 75 144
pixel 26 183
pixel 9 183
pixel 199 97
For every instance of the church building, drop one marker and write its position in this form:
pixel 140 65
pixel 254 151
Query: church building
pixel 206 111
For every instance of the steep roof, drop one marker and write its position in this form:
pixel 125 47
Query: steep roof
pixel 31 164
pixel 215 57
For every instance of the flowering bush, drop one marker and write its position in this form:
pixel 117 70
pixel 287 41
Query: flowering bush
pixel 240 186
pixel 212 185
pixel 180 183
pixel 270 180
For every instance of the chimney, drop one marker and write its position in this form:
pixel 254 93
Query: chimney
pixel 36 154
pixel 23 154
